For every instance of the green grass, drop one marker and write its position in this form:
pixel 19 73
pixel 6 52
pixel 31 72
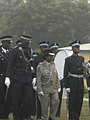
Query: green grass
pixel 85 115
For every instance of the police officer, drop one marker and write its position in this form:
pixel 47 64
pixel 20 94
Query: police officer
pixel 88 88
pixel 73 80
pixel 43 48
pixel 47 86
pixel 19 73
pixel 4 54
pixel 39 58
pixel 54 48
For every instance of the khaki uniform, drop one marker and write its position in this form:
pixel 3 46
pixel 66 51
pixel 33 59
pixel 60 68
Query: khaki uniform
pixel 48 83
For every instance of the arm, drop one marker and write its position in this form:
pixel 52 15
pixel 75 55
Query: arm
pixel 11 62
pixel 66 71
pixel 38 77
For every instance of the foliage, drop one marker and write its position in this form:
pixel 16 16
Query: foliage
pixel 53 20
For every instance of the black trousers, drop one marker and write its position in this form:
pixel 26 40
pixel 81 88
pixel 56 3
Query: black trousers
pixel 2 101
pixel 21 99
pixel 89 98
pixel 39 111
pixel 60 99
pixel 34 106
pixel 75 103
pixel 88 84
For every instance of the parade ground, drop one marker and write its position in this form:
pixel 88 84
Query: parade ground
pixel 85 114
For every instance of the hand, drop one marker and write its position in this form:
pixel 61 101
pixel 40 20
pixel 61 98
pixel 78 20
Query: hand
pixel 68 90
pixel 59 89
pixel 88 88
pixel 32 68
pixel 34 81
pixel 35 88
pixel 7 81
pixel 41 93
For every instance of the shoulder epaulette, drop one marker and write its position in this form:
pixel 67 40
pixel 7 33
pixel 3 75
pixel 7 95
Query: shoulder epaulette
pixel 40 63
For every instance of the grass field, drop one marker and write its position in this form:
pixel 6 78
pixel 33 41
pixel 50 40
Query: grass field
pixel 85 115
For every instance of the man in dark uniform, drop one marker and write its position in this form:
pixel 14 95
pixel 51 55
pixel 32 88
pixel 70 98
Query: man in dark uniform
pixel 19 73
pixel 4 54
pixel 73 80
pixel 88 88
pixel 39 58
pixel 88 84
pixel 54 47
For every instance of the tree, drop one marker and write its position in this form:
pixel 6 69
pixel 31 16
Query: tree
pixel 51 20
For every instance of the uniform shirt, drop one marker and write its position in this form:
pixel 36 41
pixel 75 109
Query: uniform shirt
pixel 18 62
pixel 3 63
pixel 73 65
pixel 47 77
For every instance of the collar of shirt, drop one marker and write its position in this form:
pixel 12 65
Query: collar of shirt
pixel 4 50
pixel 47 63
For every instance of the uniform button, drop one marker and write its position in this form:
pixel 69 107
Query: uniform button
pixel 1 74
pixel 20 56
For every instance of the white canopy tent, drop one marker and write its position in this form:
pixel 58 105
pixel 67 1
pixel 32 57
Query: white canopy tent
pixel 82 47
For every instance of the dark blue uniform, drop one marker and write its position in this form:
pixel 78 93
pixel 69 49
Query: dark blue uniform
pixel 88 85
pixel 3 67
pixel 73 79
pixel 19 71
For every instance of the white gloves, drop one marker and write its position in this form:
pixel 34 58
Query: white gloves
pixel 34 82
pixel 41 93
pixel 88 88
pixel 32 68
pixel 35 88
pixel 7 81
pixel 68 90
pixel 59 89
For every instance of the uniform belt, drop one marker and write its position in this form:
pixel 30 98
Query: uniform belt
pixel 75 75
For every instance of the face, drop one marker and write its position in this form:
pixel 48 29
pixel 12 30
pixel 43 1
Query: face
pixel 6 44
pixel 25 43
pixel 76 49
pixel 49 58
pixel 55 50
pixel 43 49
